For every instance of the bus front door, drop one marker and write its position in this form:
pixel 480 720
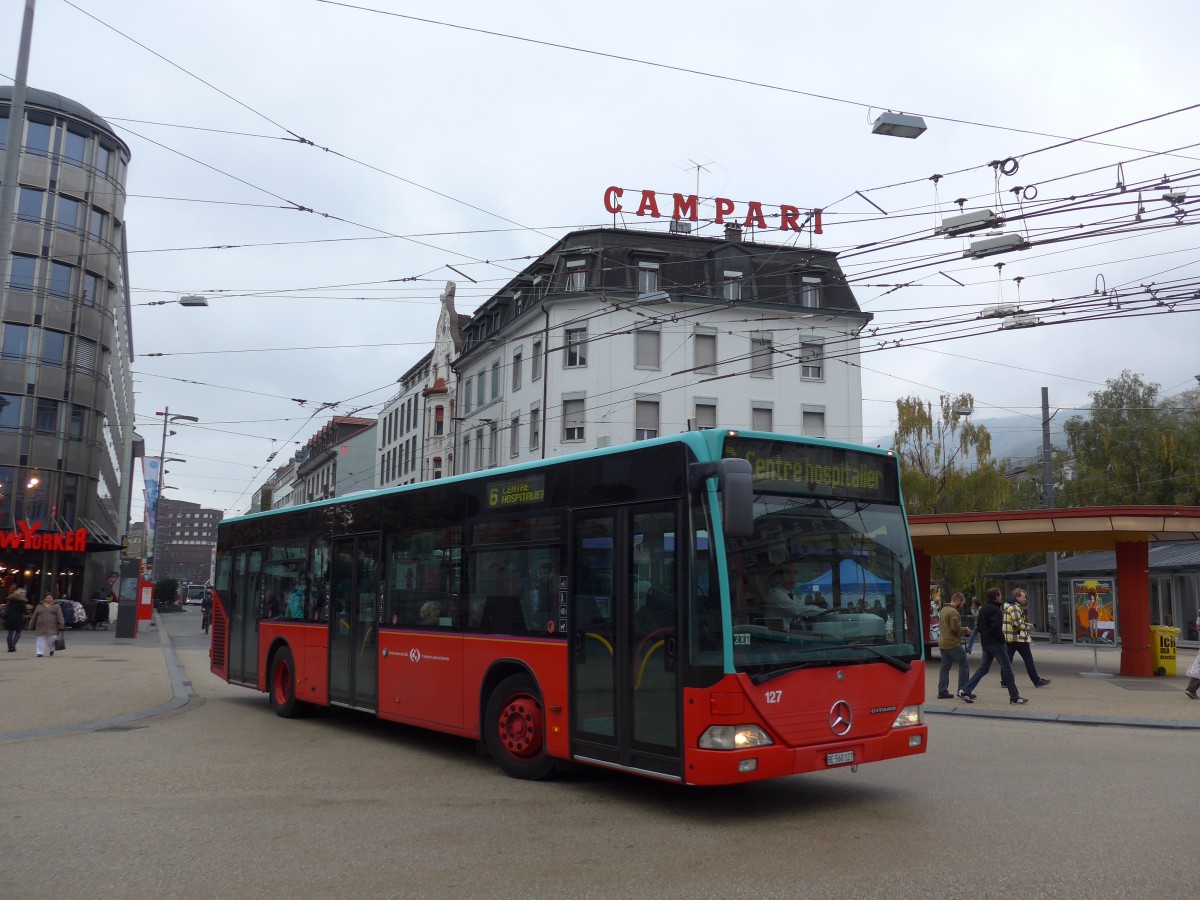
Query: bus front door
pixel 623 599
pixel 353 633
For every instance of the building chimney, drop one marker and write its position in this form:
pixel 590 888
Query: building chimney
pixel 733 231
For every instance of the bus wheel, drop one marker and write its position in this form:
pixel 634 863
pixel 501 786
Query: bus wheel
pixel 281 685
pixel 515 729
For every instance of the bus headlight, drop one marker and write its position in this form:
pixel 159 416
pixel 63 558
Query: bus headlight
pixel 733 737
pixel 910 715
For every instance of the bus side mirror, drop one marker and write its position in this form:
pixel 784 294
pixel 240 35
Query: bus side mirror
pixel 737 492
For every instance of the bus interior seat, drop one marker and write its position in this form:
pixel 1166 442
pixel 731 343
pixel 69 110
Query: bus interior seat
pixel 502 614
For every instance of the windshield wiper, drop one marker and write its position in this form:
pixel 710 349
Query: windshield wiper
pixel 892 661
pixel 762 677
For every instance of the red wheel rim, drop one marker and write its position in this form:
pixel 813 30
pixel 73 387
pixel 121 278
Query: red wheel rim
pixel 520 726
pixel 283 682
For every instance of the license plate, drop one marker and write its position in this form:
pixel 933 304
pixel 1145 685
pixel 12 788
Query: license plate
pixel 839 759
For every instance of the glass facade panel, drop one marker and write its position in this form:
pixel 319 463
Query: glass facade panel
pixel 75 148
pixel 16 341
pixel 37 138
pixel 10 412
pixel 96 224
pixel 46 419
pixel 24 271
pixel 54 348
pixel 66 216
pixel 60 279
pixel 103 159
pixel 29 204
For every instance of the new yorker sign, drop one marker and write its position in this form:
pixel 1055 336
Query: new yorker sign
pixel 687 208
pixel 25 537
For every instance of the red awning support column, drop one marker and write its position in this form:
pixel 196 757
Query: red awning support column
pixel 1133 599
pixel 924 564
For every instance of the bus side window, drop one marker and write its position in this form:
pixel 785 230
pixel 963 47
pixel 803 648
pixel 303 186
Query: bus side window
pixel 419 579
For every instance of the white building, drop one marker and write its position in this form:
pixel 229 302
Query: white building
pixel 415 436
pixel 614 336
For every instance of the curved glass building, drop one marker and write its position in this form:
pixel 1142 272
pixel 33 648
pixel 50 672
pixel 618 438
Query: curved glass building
pixel 66 393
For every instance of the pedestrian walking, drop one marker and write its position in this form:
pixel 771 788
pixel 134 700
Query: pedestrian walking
pixel 1193 672
pixel 975 631
pixel 14 617
pixel 990 626
pixel 1016 635
pixel 950 646
pixel 47 622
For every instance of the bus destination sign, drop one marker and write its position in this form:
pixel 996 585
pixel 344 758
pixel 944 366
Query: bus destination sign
pixel 780 467
pixel 516 491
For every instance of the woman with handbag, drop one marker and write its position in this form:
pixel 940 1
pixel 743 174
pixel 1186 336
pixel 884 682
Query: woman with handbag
pixel 1193 673
pixel 46 623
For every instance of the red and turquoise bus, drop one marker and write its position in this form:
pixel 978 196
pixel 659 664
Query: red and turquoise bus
pixel 709 608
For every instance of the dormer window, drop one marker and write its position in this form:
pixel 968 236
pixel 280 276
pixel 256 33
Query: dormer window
pixel 576 276
pixel 810 291
pixel 647 277
pixel 731 287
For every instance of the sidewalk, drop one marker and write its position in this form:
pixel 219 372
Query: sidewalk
pixel 1072 697
pixel 98 681
pixel 101 681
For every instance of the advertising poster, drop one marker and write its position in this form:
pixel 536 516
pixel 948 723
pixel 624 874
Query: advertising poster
pixel 152 472
pixel 1095 610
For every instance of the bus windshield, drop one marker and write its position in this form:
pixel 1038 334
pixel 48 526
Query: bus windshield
pixel 823 581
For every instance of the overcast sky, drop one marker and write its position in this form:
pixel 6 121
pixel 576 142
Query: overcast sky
pixel 439 146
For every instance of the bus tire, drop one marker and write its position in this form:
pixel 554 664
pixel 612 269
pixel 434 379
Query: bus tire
pixel 281 685
pixel 514 729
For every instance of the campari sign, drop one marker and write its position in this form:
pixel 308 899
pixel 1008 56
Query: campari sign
pixel 682 207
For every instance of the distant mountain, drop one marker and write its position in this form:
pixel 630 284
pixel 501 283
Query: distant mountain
pixel 1015 437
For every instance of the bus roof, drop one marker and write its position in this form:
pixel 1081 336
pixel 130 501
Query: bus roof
pixel 706 444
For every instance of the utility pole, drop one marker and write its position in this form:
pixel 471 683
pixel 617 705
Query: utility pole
pixel 1048 500
pixel 12 155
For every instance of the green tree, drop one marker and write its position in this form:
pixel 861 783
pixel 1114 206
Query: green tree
pixel 947 467
pixel 165 591
pixel 1134 448
pixel 946 460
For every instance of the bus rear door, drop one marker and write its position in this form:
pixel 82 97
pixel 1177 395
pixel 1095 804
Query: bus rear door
pixel 353 617
pixel 623 603
pixel 242 606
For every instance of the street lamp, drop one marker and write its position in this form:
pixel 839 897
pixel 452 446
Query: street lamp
pixel 898 125
pixel 168 419
pixel 186 300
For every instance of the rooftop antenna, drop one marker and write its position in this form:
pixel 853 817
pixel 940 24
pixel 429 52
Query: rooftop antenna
pixel 699 167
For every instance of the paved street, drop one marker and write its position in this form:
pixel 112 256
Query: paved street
pixel 221 798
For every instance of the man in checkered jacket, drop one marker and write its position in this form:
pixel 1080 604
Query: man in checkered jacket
pixel 1016 635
